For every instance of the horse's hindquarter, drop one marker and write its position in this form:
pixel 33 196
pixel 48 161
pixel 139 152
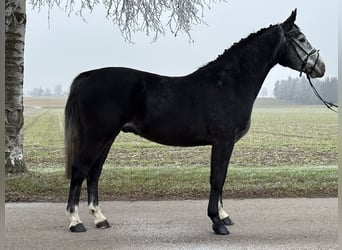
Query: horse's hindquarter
pixel 108 97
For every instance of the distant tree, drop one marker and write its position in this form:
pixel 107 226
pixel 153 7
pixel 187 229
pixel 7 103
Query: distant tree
pixel 36 92
pixel 329 89
pixel 58 90
pixel 263 92
pixel 279 90
pixel 298 90
pixel 47 92
pixel 129 15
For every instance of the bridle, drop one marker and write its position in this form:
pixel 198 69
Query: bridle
pixel 294 43
pixel 304 60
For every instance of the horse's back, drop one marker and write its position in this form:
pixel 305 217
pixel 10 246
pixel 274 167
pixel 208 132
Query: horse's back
pixel 112 80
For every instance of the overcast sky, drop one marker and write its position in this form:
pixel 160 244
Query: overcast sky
pixel 56 54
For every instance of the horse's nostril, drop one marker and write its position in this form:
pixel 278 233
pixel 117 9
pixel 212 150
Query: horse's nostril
pixel 319 70
pixel 323 68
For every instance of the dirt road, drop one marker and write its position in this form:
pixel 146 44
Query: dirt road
pixel 259 224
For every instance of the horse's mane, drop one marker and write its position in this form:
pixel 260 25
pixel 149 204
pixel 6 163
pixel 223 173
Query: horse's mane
pixel 235 50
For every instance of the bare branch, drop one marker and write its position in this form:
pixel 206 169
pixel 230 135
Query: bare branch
pixel 140 15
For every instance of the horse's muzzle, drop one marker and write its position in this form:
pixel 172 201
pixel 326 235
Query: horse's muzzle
pixel 319 69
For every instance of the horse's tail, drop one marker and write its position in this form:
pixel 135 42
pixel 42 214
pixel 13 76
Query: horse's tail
pixel 72 129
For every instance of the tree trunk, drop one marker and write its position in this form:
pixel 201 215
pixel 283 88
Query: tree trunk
pixel 14 75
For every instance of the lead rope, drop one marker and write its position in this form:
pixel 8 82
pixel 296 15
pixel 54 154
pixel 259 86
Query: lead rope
pixel 329 105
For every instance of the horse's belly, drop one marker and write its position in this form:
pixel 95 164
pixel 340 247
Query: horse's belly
pixel 168 135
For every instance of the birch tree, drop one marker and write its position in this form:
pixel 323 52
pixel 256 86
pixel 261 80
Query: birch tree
pixel 15 22
pixel 130 16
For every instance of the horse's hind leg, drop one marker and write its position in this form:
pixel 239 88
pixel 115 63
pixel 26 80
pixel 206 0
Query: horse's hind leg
pixel 89 153
pixel 74 197
pixel 92 188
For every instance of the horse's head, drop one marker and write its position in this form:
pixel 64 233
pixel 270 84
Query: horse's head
pixel 297 52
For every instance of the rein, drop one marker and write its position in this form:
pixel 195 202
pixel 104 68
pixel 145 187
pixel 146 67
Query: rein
pixel 329 105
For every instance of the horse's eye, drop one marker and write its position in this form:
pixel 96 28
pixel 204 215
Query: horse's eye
pixel 302 40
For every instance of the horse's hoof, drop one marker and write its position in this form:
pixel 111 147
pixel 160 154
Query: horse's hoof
pixel 227 221
pixel 103 224
pixel 79 228
pixel 220 229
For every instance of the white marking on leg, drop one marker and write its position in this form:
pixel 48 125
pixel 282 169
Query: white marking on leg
pixel 222 213
pixel 74 217
pixel 96 212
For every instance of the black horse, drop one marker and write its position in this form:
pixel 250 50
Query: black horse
pixel 211 106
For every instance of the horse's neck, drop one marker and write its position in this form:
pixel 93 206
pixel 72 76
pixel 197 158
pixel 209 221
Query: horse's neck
pixel 258 58
pixel 251 61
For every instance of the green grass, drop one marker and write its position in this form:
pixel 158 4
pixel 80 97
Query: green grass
pixel 43 138
pixel 127 183
pixel 289 152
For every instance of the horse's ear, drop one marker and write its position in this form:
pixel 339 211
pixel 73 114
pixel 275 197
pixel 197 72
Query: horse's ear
pixel 288 24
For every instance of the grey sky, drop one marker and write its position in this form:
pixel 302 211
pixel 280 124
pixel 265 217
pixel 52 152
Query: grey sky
pixel 57 54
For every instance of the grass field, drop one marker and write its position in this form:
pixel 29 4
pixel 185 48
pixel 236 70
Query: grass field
pixel 290 151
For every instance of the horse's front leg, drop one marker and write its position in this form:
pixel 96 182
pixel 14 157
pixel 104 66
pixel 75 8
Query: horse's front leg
pixel 220 156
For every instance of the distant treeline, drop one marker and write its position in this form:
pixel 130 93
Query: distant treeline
pixel 298 90
pixel 57 91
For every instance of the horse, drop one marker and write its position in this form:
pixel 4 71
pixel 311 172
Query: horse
pixel 211 106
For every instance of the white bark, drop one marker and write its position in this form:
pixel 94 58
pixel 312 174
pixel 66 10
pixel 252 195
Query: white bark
pixel 14 68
